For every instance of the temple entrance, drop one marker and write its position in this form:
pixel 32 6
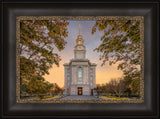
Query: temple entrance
pixel 79 90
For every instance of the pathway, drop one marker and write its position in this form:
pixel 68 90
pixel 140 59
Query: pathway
pixel 79 97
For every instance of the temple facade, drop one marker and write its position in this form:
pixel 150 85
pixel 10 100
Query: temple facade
pixel 80 76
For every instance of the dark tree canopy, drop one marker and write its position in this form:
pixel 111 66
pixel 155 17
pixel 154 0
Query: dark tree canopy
pixel 121 44
pixel 38 39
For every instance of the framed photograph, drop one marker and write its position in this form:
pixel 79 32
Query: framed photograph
pixel 80 59
pixel 39 44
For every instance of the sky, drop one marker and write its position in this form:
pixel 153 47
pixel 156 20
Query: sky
pixel 91 41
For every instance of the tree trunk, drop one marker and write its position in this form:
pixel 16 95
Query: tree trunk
pixel 119 95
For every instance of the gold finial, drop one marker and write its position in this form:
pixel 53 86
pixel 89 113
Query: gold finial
pixel 79 29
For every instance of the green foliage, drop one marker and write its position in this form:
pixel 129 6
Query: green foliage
pixel 121 44
pixel 38 39
pixel 38 87
pixel 135 87
pixel 56 90
pixel 113 87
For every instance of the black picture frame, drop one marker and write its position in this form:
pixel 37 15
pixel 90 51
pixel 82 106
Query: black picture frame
pixel 148 9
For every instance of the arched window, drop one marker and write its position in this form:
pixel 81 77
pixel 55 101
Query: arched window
pixel 79 72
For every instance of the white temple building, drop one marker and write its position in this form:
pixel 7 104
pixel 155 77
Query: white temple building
pixel 80 76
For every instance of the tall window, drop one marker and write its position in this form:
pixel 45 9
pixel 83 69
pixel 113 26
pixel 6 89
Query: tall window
pixel 91 70
pixel 91 77
pixel 68 78
pixel 68 70
pixel 79 72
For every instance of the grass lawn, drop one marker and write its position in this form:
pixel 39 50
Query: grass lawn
pixel 46 97
pixel 117 98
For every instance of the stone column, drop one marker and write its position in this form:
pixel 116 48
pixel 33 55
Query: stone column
pixel 74 73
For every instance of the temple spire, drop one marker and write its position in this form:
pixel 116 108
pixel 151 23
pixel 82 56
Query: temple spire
pixel 79 29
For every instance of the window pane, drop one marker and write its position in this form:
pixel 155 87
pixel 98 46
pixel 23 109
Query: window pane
pixel 91 77
pixel 68 70
pixel 79 72
pixel 79 82
pixel 68 78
